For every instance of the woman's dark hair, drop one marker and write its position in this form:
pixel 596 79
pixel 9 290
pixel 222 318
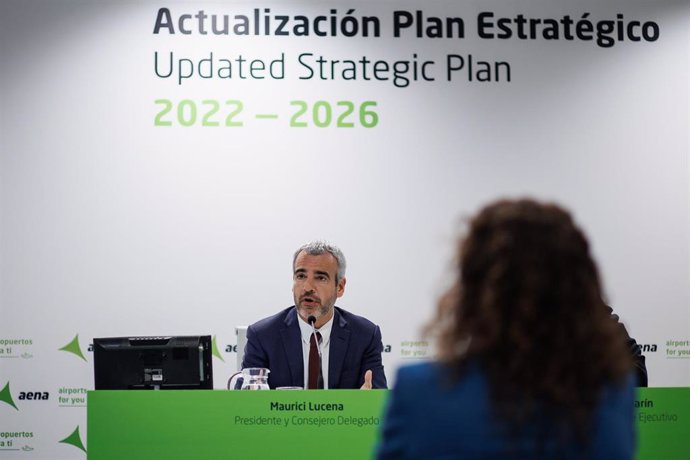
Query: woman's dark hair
pixel 527 306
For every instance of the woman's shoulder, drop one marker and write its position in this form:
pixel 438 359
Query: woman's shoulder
pixel 431 373
pixel 421 372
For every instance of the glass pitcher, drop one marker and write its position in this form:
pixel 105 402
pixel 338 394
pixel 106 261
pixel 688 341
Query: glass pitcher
pixel 250 378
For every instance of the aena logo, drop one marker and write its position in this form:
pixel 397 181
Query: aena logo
pixel 33 395
pixel 74 439
pixel 74 348
pixel 6 396
pixel 214 349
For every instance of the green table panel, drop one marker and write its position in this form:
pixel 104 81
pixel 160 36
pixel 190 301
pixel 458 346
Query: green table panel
pixel 301 424
pixel 226 424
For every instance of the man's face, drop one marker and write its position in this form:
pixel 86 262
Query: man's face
pixel 314 288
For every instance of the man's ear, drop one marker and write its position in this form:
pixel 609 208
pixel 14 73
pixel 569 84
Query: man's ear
pixel 340 289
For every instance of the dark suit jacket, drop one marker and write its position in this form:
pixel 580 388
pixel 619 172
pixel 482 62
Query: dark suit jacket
pixel 428 416
pixel 275 343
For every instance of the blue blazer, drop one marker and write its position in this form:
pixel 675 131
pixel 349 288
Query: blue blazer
pixel 275 343
pixel 425 419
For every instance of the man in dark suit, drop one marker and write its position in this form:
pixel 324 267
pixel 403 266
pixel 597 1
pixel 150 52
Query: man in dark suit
pixel 351 345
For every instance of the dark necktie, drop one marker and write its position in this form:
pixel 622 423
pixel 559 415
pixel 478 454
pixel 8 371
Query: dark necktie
pixel 314 364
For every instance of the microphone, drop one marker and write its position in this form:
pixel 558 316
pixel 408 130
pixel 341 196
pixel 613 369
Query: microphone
pixel 312 320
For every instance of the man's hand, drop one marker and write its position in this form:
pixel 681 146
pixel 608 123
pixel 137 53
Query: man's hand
pixel 367 381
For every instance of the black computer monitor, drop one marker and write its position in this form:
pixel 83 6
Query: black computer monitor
pixel 149 363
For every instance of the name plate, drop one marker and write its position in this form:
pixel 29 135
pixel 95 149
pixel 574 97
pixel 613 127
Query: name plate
pixel 223 424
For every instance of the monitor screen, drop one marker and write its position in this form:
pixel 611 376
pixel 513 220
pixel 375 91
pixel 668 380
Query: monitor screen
pixel 150 363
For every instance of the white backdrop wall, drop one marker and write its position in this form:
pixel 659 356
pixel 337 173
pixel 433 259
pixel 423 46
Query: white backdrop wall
pixel 112 226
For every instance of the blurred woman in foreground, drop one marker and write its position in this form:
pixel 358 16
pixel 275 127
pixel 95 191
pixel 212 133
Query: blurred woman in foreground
pixel 531 365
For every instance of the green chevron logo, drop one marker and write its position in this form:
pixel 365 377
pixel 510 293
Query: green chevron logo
pixel 74 439
pixel 214 349
pixel 6 396
pixel 73 347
